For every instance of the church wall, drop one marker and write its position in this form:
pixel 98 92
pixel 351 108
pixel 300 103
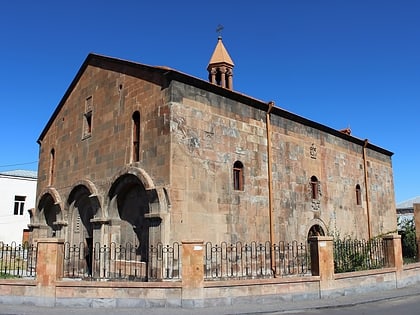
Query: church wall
pixel 104 155
pixel 211 132
pixel 190 140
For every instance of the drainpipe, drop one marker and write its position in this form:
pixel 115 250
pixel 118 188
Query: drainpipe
pixel 366 187
pixel 270 188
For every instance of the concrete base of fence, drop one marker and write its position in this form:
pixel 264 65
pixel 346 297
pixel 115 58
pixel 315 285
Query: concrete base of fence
pixel 49 289
pixel 81 294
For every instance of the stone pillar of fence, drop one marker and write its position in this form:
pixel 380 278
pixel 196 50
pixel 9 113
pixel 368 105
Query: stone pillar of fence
pixel 49 267
pixel 322 260
pixel 416 213
pixel 393 252
pixel 192 273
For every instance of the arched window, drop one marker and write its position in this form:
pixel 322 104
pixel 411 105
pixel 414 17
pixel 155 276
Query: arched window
pixel 136 136
pixel 314 187
pixel 87 122
pixel 238 176
pixel 52 166
pixel 358 195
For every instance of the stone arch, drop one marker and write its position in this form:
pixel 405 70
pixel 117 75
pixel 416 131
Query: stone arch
pixel 54 194
pixel 89 185
pixel 145 179
pixel 49 213
pixel 131 199
pixel 317 228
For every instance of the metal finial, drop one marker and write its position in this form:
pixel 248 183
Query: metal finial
pixel 219 30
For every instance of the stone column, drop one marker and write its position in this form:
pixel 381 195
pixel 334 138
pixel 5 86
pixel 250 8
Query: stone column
pixel 213 76
pixel 416 213
pixel 100 236
pixel 230 79
pixel 223 77
pixel 192 273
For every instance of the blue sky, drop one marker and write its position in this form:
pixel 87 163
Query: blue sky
pixel 352 63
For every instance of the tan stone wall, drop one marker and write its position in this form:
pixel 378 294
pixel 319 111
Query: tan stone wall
pixel 190 139
pixel 108 150
pixel 207 141
pixel 107 153
pixel 211 132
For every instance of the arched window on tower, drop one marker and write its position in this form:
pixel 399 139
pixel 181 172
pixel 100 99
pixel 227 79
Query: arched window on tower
pixel 136 136
pixel 238 176
pixel 358 195
pixel 314 187
pixel 52 166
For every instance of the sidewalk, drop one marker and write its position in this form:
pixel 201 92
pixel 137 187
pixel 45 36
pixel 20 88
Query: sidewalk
pixel 248 309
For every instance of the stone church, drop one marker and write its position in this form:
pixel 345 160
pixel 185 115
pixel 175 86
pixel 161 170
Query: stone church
pixel 145 154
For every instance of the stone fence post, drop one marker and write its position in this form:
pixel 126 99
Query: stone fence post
pixel 416 213
pixel 393 252
pixel 192 273
pixel 322 261
pixel 49 260
pixel 49 267
pixel 322 257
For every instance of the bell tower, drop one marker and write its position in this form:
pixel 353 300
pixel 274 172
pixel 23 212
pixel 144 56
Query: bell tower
pixel 220 66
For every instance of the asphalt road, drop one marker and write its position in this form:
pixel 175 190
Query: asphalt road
pixel 403 306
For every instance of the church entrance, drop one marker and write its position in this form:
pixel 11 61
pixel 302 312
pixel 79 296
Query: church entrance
pixel 132 201
pixel 83 207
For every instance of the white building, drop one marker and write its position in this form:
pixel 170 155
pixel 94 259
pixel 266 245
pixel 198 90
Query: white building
pixel 17 197
pixel 405 210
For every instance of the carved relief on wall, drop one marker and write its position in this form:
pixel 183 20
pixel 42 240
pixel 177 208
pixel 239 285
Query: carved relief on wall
pixel 312 151
pixel 316 205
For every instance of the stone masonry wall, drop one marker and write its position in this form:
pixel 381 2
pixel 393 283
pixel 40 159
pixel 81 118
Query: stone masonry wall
pixel 211 132
pixel 190 139
pixel 104 155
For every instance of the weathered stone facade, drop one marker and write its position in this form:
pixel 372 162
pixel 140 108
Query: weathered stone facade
pixel 144 154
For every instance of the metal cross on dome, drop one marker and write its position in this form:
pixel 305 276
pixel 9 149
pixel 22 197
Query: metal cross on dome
pixel 219 29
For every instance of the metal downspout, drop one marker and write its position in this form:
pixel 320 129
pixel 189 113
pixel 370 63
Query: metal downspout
pixel 270 188
pixel 366 187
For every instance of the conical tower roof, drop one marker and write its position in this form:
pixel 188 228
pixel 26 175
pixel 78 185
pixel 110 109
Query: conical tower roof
pixel 220 55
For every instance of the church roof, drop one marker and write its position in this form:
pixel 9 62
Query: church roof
pixel 220 54
pixel 164 75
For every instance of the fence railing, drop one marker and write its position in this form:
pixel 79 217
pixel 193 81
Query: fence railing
pixel 253 260
pixel 221 261
pixel 17 261
pixel 121 262
pixel 356 255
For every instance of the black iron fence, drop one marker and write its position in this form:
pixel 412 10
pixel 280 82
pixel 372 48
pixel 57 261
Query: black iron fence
pixel 255 260
pixel 221 261
pixel 356 255
pixel 122 262
pixel 17 261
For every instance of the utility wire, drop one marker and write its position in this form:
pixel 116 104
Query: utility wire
pixel 26 163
